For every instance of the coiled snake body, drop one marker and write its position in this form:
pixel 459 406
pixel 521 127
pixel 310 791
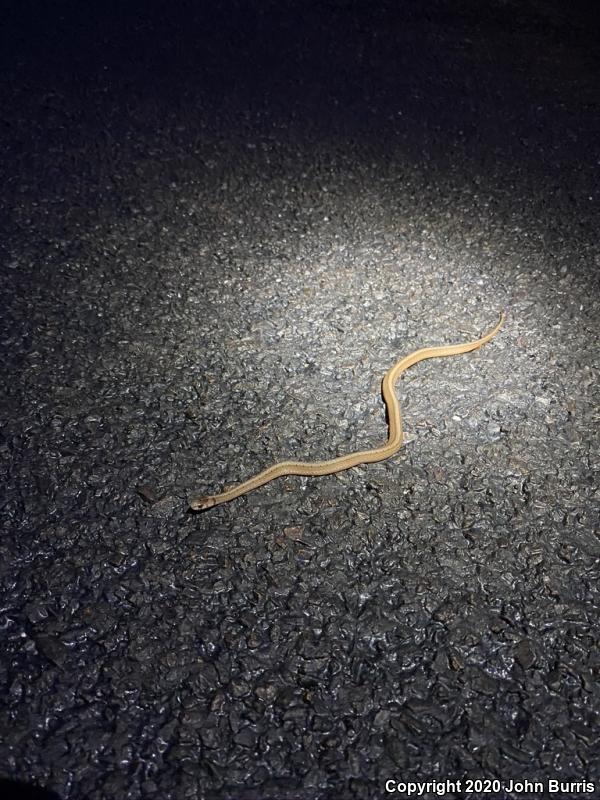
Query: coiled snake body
pixel 393 444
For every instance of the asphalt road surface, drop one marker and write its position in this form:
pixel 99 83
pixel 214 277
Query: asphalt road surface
pixel 220 225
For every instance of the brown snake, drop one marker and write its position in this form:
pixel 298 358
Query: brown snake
pixel 394 440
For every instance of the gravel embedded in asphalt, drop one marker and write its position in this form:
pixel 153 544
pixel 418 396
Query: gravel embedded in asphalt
pixel 212 251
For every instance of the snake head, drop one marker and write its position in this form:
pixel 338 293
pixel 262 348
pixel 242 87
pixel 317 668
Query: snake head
pixel 202 503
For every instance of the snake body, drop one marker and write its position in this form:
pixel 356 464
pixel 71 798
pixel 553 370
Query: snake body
pixel 332 465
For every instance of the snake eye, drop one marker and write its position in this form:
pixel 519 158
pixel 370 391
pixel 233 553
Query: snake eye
pixel 202 503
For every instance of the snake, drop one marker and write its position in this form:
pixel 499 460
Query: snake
pixel 341 463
